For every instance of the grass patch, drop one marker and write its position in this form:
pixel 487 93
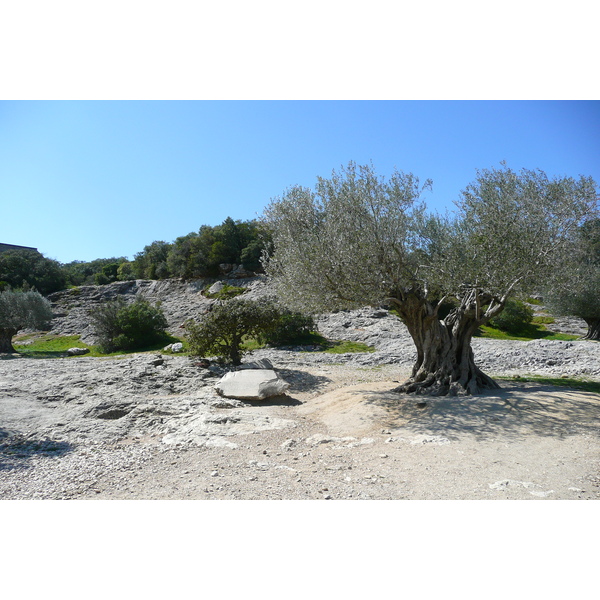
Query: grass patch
pixel 250 344
pixel 47 345
pixel 535 301
pixel 567 382
pixel 533 331
pixel 54 346
pixel 227 292
pixel 543 320
pixel 344 346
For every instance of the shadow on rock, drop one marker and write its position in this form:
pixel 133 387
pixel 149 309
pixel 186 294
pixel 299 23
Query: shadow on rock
pixel 281 400
pixel 16 450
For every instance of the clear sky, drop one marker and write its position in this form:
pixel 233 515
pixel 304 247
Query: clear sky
pixel 81 180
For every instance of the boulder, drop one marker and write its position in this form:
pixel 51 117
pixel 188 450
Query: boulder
pixel 239 272
pixel 263 363
pixel 176 347
pixel 77 351
pixel 215 288
pixel 251 384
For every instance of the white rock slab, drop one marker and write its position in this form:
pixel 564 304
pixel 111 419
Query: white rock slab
pixel 251 384
pixel 77 351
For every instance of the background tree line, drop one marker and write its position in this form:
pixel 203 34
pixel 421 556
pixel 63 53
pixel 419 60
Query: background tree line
pixel 195 255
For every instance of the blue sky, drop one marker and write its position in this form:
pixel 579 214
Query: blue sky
pixel 81 180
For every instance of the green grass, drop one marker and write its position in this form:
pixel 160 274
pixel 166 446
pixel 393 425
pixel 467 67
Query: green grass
pixel 567 382
pixel 54 346
pixel 250 344
pixel 343 347
pixel 227 292
pixel 534 331
pixel 48 345
pixel 543 320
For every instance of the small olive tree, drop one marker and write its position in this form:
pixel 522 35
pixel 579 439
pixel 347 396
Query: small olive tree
pixel 358 239
pixel 20 310
pixel 221 332
pixel 577 291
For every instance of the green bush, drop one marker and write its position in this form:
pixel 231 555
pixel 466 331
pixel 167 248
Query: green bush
pixel 20 310
pixel 289 328
pixel 121 326
pixel 101 279
pixel 222 331
pixel 514 318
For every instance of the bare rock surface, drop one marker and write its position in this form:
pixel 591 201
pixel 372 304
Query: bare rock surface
pixel 251 384
pixel 140 427
pixel 179 300
pixel 152 426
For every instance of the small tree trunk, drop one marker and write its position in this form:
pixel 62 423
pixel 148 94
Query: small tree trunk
pixel 593 332
pixel 445 364
pixel 235 350
pixel 6 336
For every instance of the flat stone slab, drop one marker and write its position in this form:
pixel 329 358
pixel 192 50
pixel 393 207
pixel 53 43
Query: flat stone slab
pixel 77 351
pixel 251 384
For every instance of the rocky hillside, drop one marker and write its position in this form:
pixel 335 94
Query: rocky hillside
pixel 379 328
pixel 183 300
pixel 180 301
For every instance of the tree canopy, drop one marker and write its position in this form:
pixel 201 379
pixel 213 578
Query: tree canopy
pixel 31 269
pixel 20 310
pixel 359 239
pixel 200 254
pixel 577 291
pixel 95 272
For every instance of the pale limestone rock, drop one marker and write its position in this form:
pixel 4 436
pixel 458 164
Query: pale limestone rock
pixel 77 351
pixel 251 384
pixel 263 363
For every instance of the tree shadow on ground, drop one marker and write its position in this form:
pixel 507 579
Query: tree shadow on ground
pixel 16 450
pixel 301 381
pixel 41 354
pixel 511 412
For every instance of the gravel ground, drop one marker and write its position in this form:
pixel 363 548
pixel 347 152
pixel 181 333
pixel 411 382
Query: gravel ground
pixel 151 426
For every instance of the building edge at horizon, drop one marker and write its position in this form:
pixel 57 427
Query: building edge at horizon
pixel 7 247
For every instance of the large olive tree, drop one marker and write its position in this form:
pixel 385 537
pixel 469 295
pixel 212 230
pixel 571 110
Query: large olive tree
pixel 358 239
pixel 577 291
pixel 20 310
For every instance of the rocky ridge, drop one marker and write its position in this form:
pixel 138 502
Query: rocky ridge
pixel 180 301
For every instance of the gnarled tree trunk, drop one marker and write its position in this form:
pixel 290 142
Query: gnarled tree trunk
pixel 593 332
pixel 445 364
pixel 6 336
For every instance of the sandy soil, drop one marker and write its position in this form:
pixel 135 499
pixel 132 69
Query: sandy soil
pixel 340 433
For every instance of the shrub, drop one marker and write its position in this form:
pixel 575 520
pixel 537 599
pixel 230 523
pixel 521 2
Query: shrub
pixel 101 279
pixel 121 326
pixel 289 328
pixel 221 332
pixel 514 318
pixel 19 310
